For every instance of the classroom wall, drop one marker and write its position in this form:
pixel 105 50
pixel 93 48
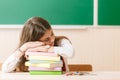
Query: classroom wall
pixel 98 46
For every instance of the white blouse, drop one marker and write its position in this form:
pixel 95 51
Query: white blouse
pixel 64 49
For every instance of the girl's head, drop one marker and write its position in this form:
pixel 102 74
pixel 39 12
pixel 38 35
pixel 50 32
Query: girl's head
pixel 37 29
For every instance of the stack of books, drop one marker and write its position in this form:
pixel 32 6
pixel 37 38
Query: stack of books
pixel 42 63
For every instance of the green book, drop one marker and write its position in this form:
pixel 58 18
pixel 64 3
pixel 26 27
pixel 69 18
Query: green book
pixel 45 72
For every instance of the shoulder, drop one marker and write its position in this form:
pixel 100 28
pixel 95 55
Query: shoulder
pixel 62 40
pixel 60 37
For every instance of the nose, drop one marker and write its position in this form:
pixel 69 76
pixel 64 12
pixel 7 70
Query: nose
pixel 52 41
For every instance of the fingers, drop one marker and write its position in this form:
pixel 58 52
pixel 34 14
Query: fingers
pixel 28 45
pixel 38 49
pixel 35 44
pixel 38 42
pixel 32 46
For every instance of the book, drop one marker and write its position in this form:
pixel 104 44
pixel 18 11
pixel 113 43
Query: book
pixel 44 61
pixel 44 58
pixel 42 54
pixel 45 65
pixel 45 72
pixel 44 69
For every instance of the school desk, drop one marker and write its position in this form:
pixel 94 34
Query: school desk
pixel 87 76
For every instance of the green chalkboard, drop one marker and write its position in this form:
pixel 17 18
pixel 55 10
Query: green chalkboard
pixel 58 12
pixel 109 12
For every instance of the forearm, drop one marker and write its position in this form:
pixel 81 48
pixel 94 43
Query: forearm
pixel 65 52
pixel 65 49
pixel 12 62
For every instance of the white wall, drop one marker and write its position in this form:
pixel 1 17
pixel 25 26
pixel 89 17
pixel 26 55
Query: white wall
pixel 98 46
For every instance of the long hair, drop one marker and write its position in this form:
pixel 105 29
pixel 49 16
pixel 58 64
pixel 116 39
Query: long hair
pixel 32 30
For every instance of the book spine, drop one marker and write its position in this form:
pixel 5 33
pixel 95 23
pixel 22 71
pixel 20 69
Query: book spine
pixel 41 54
pixel 46 65
pixel 44 69
pixel 45 72
pixel 44 58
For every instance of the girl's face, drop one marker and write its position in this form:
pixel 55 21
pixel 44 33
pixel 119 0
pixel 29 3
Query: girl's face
pixel 48 38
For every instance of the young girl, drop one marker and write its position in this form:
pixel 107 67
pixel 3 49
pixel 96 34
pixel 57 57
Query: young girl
pixel 37 35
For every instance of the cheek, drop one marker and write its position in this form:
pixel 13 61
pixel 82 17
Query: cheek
pixel 53 39
pixel 51 42
pixel 47 43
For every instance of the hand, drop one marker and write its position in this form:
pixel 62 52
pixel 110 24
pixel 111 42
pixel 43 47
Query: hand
pixel 42 49
pixel 28 45
pixel 35 49
pixel 38 49
pixel 51 49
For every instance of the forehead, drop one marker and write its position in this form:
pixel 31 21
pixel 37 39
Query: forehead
pixel 46 35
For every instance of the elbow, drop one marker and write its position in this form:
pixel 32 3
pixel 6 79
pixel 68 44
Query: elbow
pixel 69 53
pixel 5 69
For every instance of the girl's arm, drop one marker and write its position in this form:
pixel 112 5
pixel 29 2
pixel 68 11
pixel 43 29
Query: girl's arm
pixel 12 62
pixel 65 48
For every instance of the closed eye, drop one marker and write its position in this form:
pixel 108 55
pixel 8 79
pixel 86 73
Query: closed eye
pixel 47 39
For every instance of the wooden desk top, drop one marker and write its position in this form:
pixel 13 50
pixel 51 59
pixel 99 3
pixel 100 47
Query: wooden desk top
pixel 86 76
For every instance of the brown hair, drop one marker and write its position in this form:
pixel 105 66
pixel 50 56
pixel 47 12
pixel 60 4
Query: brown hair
pixel 33 30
